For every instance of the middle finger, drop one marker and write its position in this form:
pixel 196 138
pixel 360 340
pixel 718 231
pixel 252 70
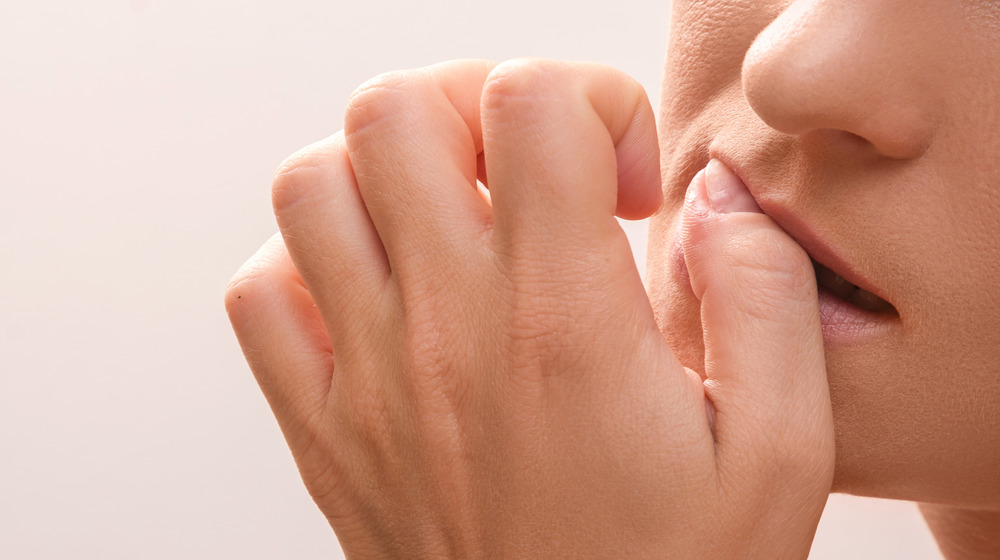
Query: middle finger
pixel 413 139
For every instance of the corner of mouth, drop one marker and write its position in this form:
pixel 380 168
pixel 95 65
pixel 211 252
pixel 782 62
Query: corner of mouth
pixel 848 292
pixel 833 275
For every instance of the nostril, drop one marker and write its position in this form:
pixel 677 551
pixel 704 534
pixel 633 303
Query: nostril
pixel 828 66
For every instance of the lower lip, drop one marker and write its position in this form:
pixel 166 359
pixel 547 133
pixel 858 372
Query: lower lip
pixel 845 324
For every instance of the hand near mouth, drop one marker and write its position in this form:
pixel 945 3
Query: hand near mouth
pixel 462 377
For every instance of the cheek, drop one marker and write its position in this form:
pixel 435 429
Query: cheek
pixel 677 311
pixel 708 42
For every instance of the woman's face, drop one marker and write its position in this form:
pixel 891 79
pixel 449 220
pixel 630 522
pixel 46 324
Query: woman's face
pixel 870 131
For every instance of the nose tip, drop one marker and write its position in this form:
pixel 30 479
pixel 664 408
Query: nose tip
pixel 819 66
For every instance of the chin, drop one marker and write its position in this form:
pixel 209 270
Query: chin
pixel 893 442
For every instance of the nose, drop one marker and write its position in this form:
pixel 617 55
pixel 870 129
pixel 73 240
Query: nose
pixel 854 67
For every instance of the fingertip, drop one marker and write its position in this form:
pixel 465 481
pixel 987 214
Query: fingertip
pixel 726 192
pixel 252 283
pixel 637 156
pixel 693 223
pixel 695 197
pixel 638 205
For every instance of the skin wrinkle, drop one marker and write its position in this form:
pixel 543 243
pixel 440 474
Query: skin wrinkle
pixel 873 123
pixel 985 12
pixel 858 126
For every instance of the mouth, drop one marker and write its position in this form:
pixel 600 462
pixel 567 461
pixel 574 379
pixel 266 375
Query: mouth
pixel 838 286
pixel 850 307
pixel 848 314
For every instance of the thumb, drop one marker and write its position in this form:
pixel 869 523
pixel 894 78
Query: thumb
pixel 764 361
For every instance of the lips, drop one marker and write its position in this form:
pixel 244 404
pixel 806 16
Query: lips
pixel 851 308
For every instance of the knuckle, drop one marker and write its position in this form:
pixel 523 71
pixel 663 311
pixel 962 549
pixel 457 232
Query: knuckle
pixel 544 335
pixel 296 178
pixel 380 98
pixel 782 464
pixel 519 80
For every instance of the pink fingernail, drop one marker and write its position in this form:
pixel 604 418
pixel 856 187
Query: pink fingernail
pixel 726 192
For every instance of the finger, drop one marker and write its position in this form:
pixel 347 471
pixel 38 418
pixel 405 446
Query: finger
pixel 414 139
pixel 568 145
pixel 764 357
pixel 330 236
pixel 282 335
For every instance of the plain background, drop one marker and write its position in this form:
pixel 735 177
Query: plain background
pixel 137 142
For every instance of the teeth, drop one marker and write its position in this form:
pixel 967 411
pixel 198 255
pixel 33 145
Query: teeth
pixel 836 284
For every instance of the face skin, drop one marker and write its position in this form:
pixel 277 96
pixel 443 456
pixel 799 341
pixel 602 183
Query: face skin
pixel 868 129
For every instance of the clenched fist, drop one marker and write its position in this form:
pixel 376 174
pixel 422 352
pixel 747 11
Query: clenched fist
pixel 470 376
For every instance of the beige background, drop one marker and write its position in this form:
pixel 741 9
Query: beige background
pixel 137 140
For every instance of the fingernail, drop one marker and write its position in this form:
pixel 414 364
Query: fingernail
pixel 694 196
pixel 726 192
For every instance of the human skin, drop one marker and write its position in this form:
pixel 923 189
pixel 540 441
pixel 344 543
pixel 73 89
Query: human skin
pixel 387 328
pixel 869 127
pixel 464 379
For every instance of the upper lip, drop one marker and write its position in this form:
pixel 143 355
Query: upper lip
pixel 800 231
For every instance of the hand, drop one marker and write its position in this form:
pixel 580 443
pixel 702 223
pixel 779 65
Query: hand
pixel 463 377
